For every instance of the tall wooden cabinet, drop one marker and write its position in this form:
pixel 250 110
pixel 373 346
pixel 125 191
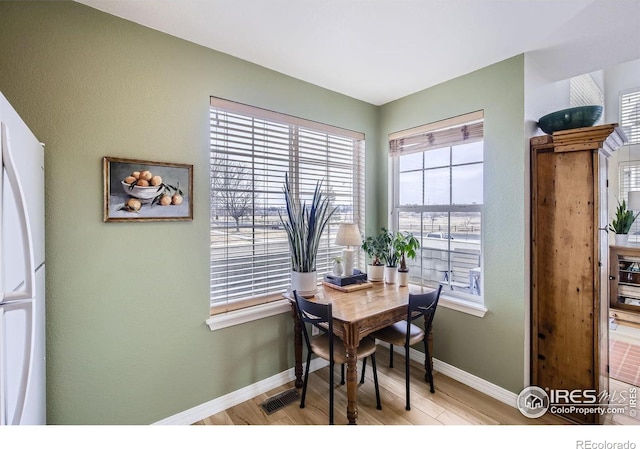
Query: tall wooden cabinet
pixel 569 327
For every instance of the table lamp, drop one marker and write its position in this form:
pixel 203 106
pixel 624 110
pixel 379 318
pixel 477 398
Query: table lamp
pixel 348 235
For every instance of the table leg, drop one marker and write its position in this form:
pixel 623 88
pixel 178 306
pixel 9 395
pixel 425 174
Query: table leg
pixel 351 339
pixel 352 382
pixel 297 341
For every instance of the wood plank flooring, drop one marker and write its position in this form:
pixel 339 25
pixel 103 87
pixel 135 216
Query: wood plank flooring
pixel 452 404
pixel 620 398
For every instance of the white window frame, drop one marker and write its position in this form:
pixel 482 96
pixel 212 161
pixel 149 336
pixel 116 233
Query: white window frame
pixel 463 302
pixel 261 306
pixel 629 179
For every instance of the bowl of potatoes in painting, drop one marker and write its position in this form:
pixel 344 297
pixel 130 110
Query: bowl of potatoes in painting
pixel 143 185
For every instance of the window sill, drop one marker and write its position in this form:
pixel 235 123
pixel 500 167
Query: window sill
pixel 223 320
pixel 461 305
pixel 241 316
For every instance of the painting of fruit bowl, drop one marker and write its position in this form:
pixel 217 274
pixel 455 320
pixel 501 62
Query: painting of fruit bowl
pixel 147 191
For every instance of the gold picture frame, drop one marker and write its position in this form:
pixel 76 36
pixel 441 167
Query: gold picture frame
pixel 138 190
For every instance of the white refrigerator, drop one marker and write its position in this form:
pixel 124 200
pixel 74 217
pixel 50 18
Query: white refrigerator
pixel 22 289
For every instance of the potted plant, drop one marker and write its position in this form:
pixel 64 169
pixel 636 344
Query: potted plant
pixel 622 222
pixel 304 226
pixel 338 269
pixel 390 256
pixel 406 245
pixel 374 247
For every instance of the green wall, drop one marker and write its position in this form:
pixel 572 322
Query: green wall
pixel 491 347
pixel 127 302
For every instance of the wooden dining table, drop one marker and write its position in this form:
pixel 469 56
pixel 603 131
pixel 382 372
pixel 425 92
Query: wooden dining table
pixel 356 314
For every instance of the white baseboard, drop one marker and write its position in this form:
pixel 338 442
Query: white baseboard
pixel 477 383
pixel 470 380
pixel 222 403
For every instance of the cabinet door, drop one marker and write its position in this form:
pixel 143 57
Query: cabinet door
pixel 564 288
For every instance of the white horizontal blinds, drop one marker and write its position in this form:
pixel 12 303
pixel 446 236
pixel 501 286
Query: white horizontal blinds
pixel 584 91
pixel 251 151
pixel 331 160
pixel 249 158
pixel 466 128
pixel 630 114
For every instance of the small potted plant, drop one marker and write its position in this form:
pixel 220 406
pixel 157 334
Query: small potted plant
pixel 338 268
pixel 622 222
pixel 391 256
pixel 406 244
pixel 374 247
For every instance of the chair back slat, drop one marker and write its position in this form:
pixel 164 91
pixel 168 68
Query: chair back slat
pixel 318 315
pixel 423 305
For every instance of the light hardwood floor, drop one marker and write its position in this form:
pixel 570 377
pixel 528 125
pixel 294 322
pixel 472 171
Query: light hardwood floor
pixel 627 334
pixel 453 403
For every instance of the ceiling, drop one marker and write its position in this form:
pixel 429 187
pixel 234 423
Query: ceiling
pixel 381 50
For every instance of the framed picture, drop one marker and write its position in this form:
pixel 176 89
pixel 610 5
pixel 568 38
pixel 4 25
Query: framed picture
pixel 136 190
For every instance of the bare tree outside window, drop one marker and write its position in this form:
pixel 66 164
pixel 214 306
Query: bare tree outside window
pixel 232 192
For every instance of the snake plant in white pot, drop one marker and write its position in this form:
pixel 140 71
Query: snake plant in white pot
pixel 304 225
pixel 622 222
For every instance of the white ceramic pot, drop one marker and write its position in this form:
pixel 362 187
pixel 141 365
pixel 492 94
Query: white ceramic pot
pixel 306 284
pixel 375 273
pixel 403 278
pixel 621 239
pixel 390 275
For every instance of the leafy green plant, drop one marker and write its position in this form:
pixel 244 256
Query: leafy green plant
pixel 406 244
pixel 375 246
pixel 389 248
pixel 391 254
pixel 304 226
pixel 623 220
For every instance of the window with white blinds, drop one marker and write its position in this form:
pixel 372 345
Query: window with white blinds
pixel 630 114
pixel 438 172
pixel 251 151
pixel 629 179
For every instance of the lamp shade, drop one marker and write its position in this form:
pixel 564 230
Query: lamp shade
pixel 348 235
pixel 634 200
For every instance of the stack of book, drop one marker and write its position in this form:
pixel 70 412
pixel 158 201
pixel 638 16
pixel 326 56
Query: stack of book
pixel 357 278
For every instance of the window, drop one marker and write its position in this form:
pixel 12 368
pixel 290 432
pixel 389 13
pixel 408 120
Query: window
pixel 629 179
pixel 584 91
pixel 251 151
pixel 630 114
pixel 437 173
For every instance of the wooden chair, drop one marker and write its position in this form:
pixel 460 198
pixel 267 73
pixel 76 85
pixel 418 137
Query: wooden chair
pixel 404 333
pixel 328 347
